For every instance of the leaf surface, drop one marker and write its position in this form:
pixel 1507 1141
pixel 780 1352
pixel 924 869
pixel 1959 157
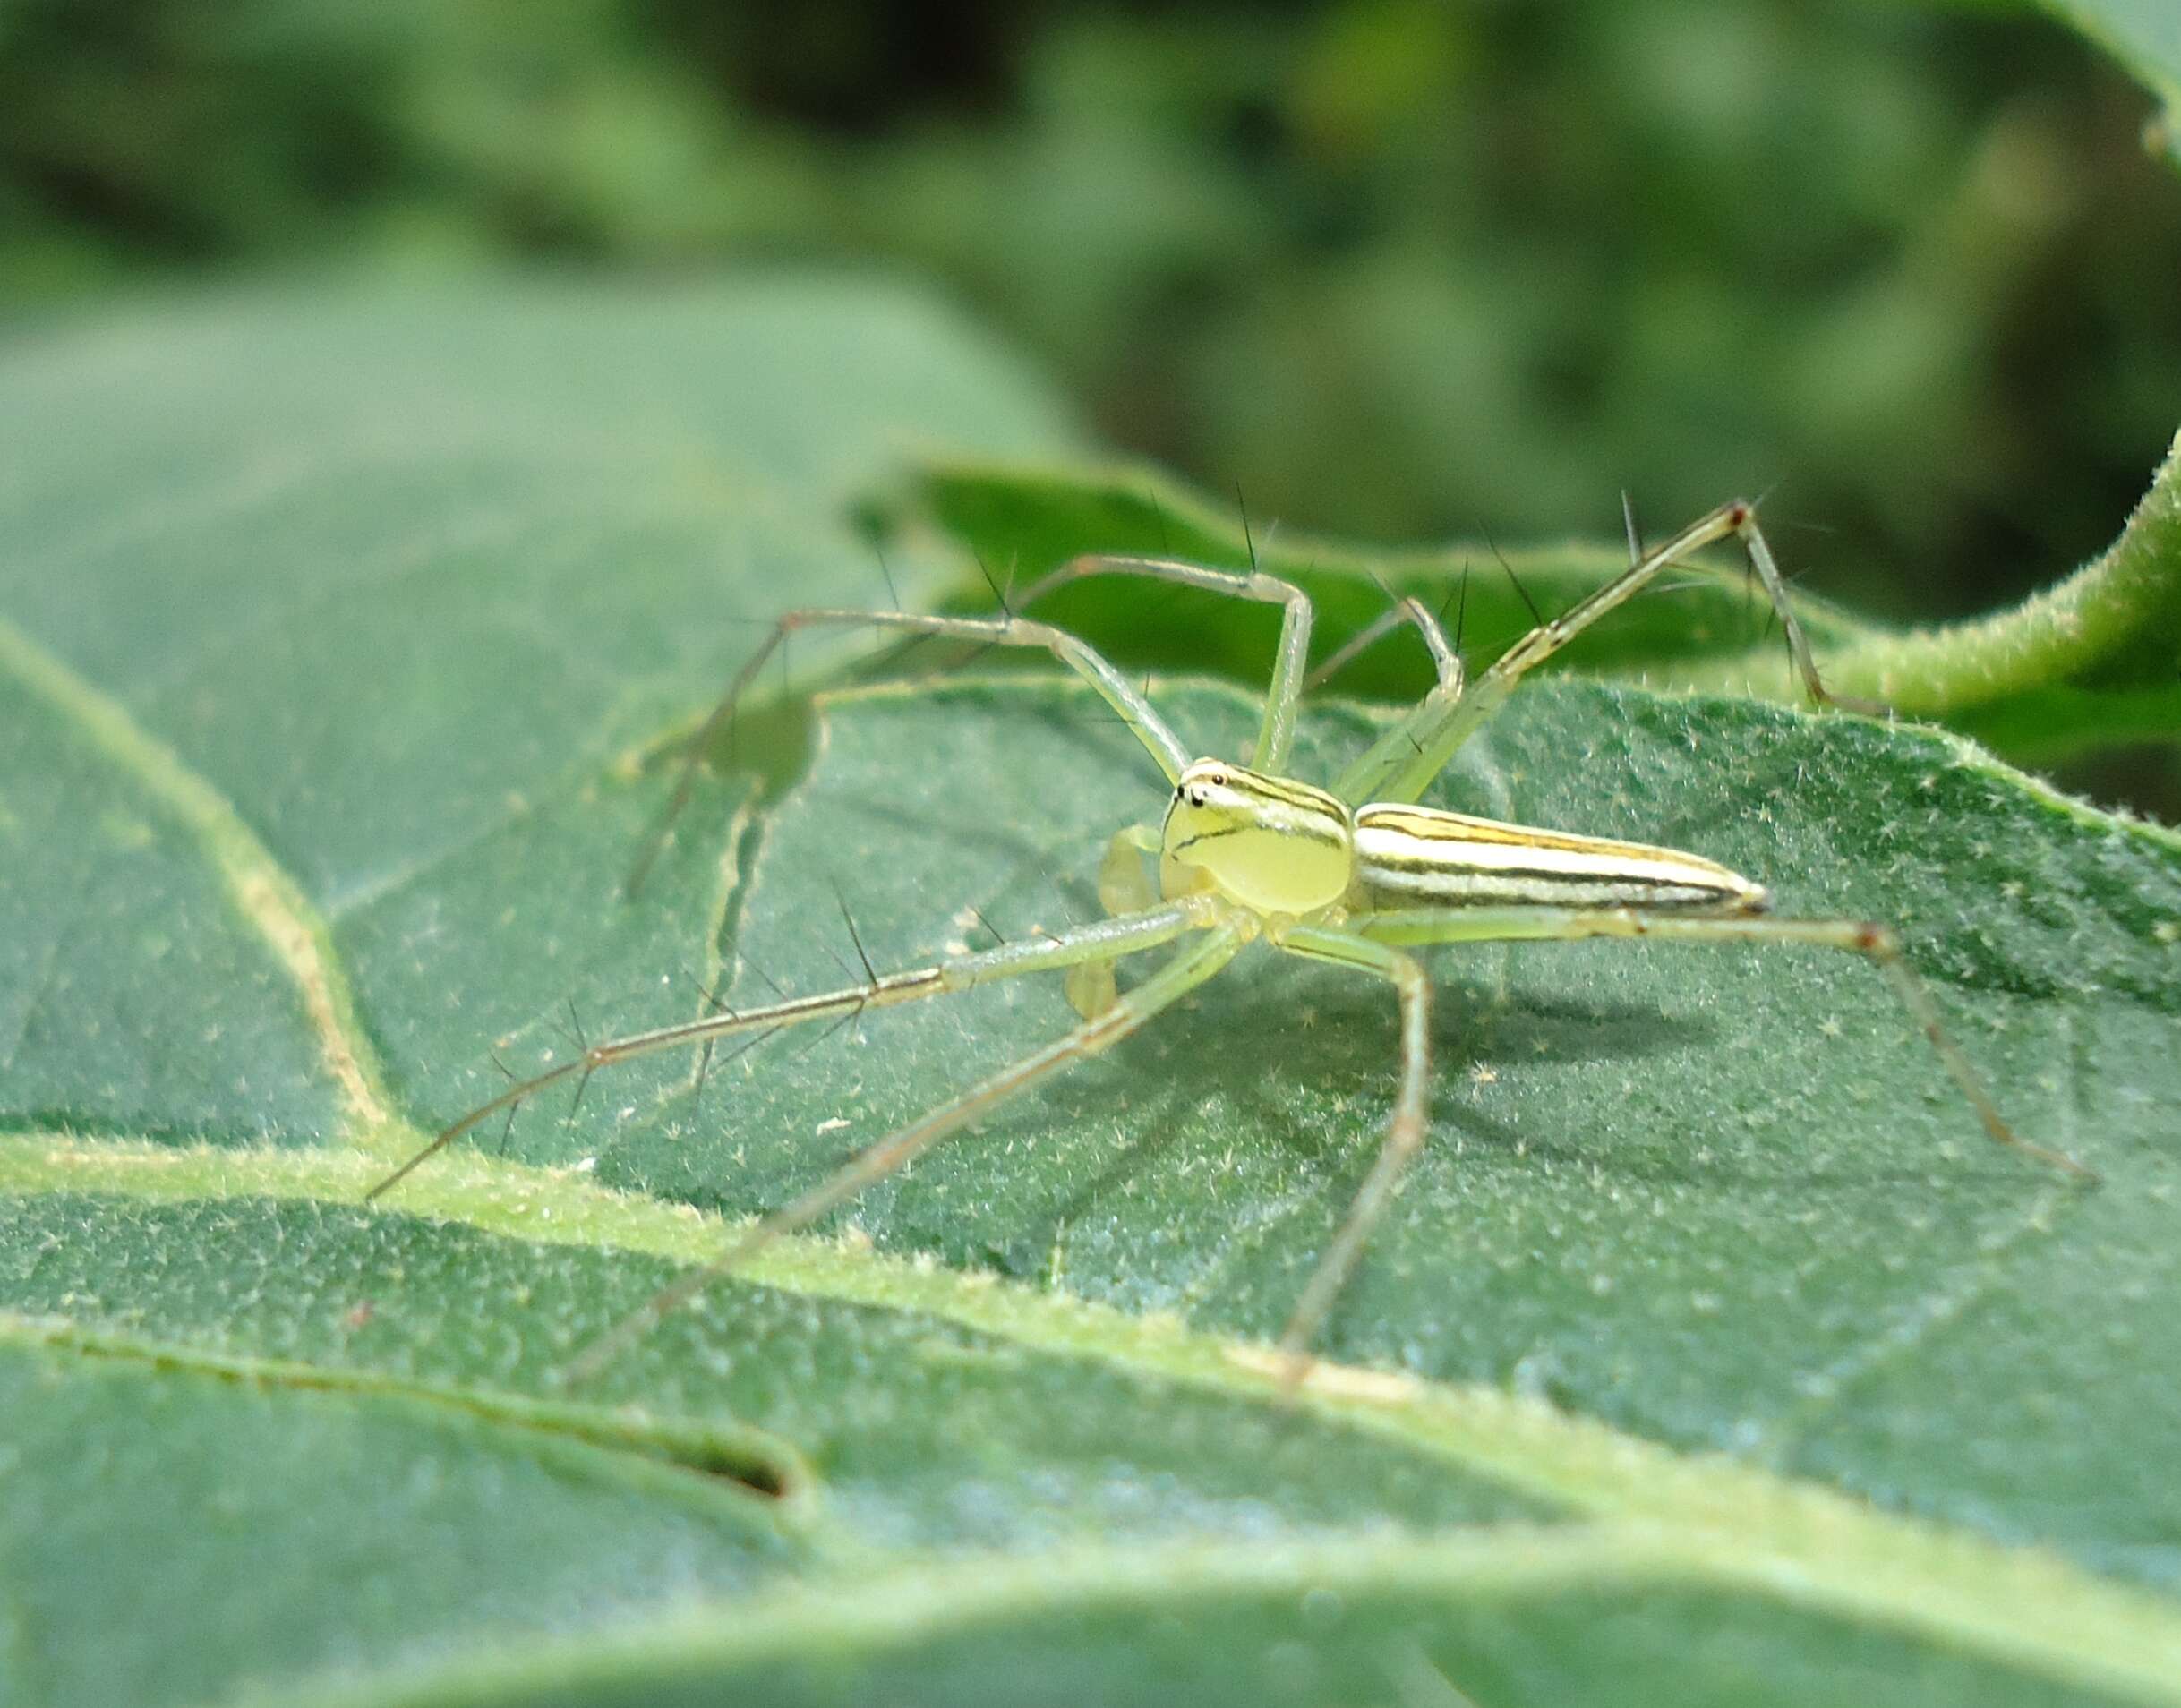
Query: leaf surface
pixel 1710 1339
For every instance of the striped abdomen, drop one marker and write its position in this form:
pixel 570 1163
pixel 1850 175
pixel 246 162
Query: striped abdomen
pixel 1415 857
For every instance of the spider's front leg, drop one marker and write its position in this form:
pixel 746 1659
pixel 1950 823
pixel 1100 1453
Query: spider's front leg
pixel 1284 693
pixel 1224 934
pixel 1401 764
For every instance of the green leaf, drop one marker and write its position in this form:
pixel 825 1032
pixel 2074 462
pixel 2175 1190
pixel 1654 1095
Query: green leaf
pixel 1711 1340
pixel 1649 1167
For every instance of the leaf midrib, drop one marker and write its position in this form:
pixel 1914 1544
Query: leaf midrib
pixel 264 894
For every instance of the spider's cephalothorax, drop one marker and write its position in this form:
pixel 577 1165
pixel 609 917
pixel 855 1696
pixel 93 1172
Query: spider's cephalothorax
pixel 1276 846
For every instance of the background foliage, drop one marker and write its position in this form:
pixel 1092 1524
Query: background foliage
pixel 1400 269
pixel 1403 269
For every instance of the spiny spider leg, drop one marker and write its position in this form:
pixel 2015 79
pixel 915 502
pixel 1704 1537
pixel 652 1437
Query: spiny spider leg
pixel 1401 764
pixel 1102 939
pixel 1405 1129
pixel 1117 691
pixel 1874 942
pixel 1187 969
pixel 1283 696
pixel 1366 945
pixel 1405 608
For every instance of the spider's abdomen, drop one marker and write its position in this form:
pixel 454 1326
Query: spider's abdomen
pixel 1417 857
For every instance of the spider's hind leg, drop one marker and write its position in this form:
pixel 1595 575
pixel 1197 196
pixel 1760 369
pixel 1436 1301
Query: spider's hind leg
pixel 1875 944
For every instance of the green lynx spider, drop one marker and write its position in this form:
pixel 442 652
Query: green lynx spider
pixel 1351 874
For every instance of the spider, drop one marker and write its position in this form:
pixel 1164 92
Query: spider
pixel 1354 873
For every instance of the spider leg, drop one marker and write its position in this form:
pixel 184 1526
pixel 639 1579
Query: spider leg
pixel 1283 695
pixel 1874 942
pixel 1402 762
pixel 1179 975
pixel 1006 630
pixel 1405 608
pixel 1105 940
pixel 1404 1129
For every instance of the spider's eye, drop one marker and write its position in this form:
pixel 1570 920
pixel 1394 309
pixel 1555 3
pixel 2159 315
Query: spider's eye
pixel 1194 797
pixel 1217 779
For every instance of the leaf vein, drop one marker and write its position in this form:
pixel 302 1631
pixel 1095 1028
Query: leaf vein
pixel 266 895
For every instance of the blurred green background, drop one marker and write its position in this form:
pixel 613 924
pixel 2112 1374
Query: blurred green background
pixel 1398 269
